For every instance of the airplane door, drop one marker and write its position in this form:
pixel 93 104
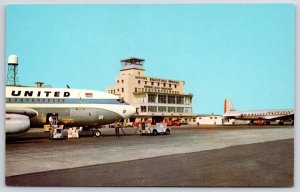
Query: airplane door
pixel 52 115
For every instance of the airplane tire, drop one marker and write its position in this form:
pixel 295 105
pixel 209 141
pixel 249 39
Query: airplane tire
pixel 97 133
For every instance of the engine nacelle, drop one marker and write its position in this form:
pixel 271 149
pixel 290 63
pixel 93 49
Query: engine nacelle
pixel 16 123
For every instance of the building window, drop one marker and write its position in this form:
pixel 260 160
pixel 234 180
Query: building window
pixel 171 99
pixel 152 83
pixel 179 100
pixel 122 81
pixel 188 100
pixel 135 89
pixel 162 99
pixel 139 81
pixel 145 82
pixel 151 98
pixel 175 86
pixel 139 73
pixel 143 108
pixel 179 109
pixel 170 85
pixel 171 109
pixel 117 81
pixel 162 109
pixel 122 90
pixel 187 110
pixel 164 84
pixel 157 84
pixel 152 109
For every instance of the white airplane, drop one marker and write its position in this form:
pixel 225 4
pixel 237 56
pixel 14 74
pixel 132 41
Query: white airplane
pixel 266 115
pixel 32 106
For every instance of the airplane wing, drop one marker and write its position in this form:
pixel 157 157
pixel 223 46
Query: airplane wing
pixel 291 116
pixel 22 111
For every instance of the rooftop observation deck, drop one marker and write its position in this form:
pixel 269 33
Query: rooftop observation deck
pixel 132 63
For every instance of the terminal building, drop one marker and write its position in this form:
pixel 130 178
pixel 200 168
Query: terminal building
pixel 209 119
pixel 156 99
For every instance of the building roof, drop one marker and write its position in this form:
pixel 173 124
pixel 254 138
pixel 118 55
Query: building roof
pixel 161 93
pixel 208 115
pixel 133 60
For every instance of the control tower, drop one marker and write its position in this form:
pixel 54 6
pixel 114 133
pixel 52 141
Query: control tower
pixel 132 66
pixel 12 71
pixel 156 99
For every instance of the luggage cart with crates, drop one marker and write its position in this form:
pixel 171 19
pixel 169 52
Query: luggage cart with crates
pixel 56 131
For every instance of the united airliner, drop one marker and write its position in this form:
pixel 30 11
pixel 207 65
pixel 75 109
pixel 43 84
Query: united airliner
pixel 31 107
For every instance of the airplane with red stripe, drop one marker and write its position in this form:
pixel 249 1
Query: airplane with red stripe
pixel 267 115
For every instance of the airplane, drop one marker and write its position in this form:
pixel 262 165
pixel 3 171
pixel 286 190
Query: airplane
pixel 32 106
pixel 253 115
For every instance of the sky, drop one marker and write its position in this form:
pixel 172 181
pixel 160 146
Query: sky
pixel 245 52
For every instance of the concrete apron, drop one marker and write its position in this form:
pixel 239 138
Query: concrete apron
pixel 32 159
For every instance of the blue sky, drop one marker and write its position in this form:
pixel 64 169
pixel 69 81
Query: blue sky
pixel 245 52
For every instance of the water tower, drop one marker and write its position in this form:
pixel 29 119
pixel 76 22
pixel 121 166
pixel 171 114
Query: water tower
pixel 12 71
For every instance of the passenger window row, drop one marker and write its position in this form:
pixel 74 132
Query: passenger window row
pixel 33 100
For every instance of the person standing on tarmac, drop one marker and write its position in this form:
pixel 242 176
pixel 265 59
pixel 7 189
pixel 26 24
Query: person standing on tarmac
pixel 117 128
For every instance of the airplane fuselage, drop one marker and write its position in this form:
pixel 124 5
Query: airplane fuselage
pixel 266 115
pixel 258 114
pixel 75 107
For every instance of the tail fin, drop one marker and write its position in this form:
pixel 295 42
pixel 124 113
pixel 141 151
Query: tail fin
pixel 228 106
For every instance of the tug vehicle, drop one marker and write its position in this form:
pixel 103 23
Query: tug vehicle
pixel 159 128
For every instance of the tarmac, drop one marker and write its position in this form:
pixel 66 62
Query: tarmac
pixel 190 156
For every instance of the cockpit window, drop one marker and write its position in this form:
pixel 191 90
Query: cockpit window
pixel 122 101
